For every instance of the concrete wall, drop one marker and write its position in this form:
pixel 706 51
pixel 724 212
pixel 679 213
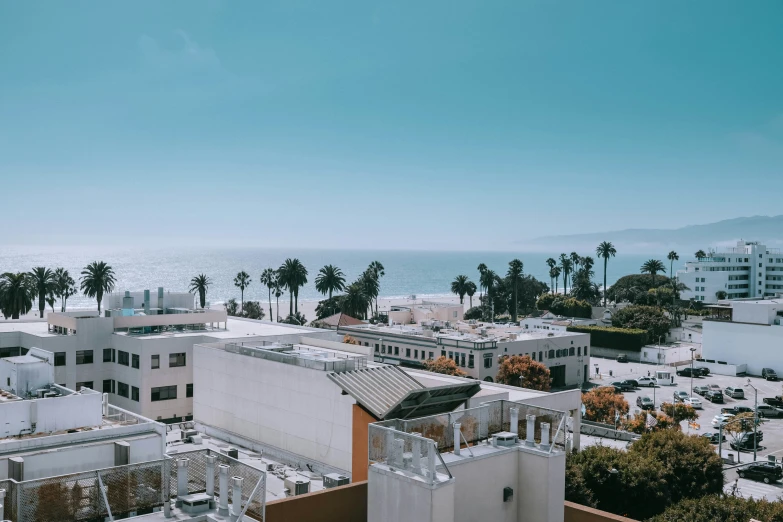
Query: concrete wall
pixel 757 346
pixel 290 407
pixel 49 415
pixel 394 497
pixel 343 504
pixel 478 488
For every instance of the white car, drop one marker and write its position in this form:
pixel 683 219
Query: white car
pixel 647 381
pixel 693 402
pixel 721 419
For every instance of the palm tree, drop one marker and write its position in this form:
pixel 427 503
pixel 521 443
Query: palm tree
pixel 575 261
pixel 370 286
pixel 700 254
pixel 514 273
pixel 355 301
pixel 330 279
pixel 470 290
pixel 97 279
pixel 42 280
pixel 200 284
pixel 378 271
pixel 292 275
pixel 460 287
pixel 604 251
pixel 481 269
pixel 242 281
pixel 566 265
pixel 672 257
pixel 16 294
pixel 652 267
pixel 488 279
pixel 269 279
pixel 554 273
pixel 278 292
pixel 65 287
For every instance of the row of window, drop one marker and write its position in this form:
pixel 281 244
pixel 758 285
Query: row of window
pixel 120 357
pixel 161 393
pixel 14 351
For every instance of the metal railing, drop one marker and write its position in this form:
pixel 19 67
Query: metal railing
pixel 316 359
pixel 410 453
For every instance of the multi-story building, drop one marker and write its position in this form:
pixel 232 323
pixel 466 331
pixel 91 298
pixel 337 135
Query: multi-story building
pixel 749 270
pixel 477 348
pixel 140 354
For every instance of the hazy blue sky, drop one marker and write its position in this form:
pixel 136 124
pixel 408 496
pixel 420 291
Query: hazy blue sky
pixel 384 124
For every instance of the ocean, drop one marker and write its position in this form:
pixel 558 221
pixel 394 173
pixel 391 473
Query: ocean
pixel 425 274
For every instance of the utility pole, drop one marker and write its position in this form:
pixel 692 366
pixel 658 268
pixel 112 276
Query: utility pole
pixel 755 419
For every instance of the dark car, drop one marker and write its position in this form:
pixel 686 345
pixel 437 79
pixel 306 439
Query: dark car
pixel 703 370
pixel 744 441
pixel 622 358
pixel 769 374
pixel 736 410
pixel 714 397
pixel 688 372
pixel 622 386
pixel 764 471
pixel 631 382
pixel 714 438
pixel 645 403
pixel 773 401
pixel 767 411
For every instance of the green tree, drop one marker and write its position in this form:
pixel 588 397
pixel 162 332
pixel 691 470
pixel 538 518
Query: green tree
pixel 514 274
pixel 97 278
pixel 721 294
pixel 355 301
pixel 604 251
pixel 43 282
pixel 488 281
pixel 292 276
pixel 475 312
pixel 522 371
pixel 371 287
pixel 378 271
pixel 460 286
pixel 16 294
pixel 672 257
pixel 199 285
pixel 242 281
pixel 555 273
pixel 253 310
pixel 481 269
pixel 232 307
pixel 725 508
pixel 700 254
pixel 269 280
pixel 652 267
pixel 545 302
pixel 328 307
pixel 278 291
pixel 330 279
pixel 647 318
pixel 65 287
pixel 470 289
pixel 566 267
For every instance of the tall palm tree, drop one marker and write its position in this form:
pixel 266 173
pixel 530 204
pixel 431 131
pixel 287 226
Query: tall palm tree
pixel 278 290
pixel 16 294
pixel 513 274
pixel 566 265
pixel 378 271
pixel 242 281
pixel 700 254
pixel 672 257
pixel 488 279
pixel 269 279
pixel 575 261
pixel 65 287
pixel 330 279
pixel 292 276
pixel 355 301
pixel 652 267
pixel 43 281
pixel 370 286
pixel 481 269
pixel 97 279
pixel 554 273
pixel 471 290
pixel 460 287
pixel 200 284
pixel 604 251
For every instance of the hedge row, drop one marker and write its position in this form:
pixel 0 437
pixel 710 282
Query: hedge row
pixel 631 339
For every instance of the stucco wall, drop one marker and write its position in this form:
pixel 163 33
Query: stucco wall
pixel 757 346
pixel 343 504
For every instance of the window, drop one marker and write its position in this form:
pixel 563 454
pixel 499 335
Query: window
pixel 415 354
pixel 59 358
pixel 533 356
pixel 155 362
pixel 571 351
pixel 10 352
pixel 377 347
pixel 470 361
pixel 540 356
pixel 108 355
pixel 135 361
pixel 164 393
pixel 585 351
pixel 123 358
pixel 407 352
pixel 84 357
pixel 451 355
pixel 487 360
pixel 189 390
pixel 423 355
pixel 176 359
pixel 432 355
pixel 551 354
pixel 443 353
pixel 383 348
pixel 85 384
pixel 122 389
pixel 579 350
pixel 462 360
pixel 108 386
pixel 134 394
pixel 396 350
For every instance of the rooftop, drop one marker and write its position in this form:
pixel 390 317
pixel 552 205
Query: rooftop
pixel 308 356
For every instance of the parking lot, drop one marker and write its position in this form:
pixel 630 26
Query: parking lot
pixel 772 444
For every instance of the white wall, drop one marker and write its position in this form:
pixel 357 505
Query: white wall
pixel 478 488
pixel 290 407
pixel 758 346
pixel 53 414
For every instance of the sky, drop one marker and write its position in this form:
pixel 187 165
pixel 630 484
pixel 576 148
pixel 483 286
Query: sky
pixel 451 125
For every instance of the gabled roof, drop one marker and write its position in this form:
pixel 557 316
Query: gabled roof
pixel 340 319
pixel 388 392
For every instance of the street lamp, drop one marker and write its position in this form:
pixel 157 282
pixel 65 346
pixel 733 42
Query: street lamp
pixel 692 350
pixel 755 419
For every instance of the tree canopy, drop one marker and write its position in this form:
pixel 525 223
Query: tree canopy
pixel 444 365
pixel 724 508
pixel 648 318
pixel 522 371
pixel 602 403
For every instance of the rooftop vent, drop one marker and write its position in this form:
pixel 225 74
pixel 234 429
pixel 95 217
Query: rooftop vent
pixel 504 439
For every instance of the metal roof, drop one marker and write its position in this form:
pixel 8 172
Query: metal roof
pixel 389 393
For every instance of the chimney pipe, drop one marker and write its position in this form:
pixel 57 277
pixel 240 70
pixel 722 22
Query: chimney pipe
pixel 211 475
pixel 514 424
pixel 236 498
pixel 457 440
pixel 182 477
pixel 530 440
pixel 223 484
pixel 167 508
pixel 545 436
pixel 105 404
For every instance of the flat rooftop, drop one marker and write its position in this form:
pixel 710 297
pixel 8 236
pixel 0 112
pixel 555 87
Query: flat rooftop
pixel 462 331
pixel 39 328
pixel 236 327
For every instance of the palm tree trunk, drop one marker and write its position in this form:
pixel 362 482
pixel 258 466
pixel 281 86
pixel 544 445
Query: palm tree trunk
pixel 296 301
pixel 606 260
pixel 270 304
pixel 471 300
pixel 41 303
pixel 277 299
pixel 291 302
pixel 99 298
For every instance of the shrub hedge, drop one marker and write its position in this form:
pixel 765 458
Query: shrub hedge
pixel 631 339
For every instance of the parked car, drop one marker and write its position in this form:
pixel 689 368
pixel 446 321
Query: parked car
pixel 622 386
pixel 645 403
pixel 736 410
pixel 680 395
pixel 693 402
pixel 767 411
pixel 715 397
pixel 734 393
pixel 773 401
pixel 763 471
pixel 632 382
pixel 688 372
pixel 615 389
pixel 714 438
pixel 721 419
pixel 701 390
pixel 647 382
pixel 703 370
pixel 715 387
pixel 745 440
pixel 622 358
pixel 769 374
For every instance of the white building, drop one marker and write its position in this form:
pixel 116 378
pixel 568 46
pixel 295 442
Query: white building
pixel 425 311
pixel 746 271
pixel 477 347
pixel 550 321
pixel 140 354
pixel 746 332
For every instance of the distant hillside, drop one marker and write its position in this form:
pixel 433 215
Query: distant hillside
pixel 768 230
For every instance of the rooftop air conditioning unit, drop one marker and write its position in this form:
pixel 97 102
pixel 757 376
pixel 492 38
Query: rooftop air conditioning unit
pixel 231 452
pixel 297 485
pixel 505 439
pixel 333 480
